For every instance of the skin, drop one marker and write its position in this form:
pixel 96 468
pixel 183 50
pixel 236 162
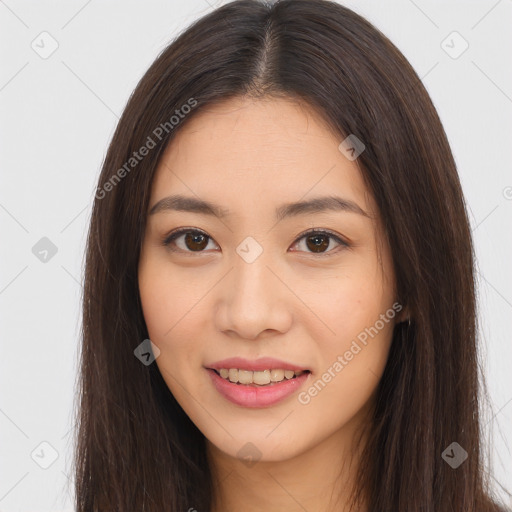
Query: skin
pixel 294 304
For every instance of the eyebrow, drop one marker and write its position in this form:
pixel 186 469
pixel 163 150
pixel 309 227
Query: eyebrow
pixel 317 205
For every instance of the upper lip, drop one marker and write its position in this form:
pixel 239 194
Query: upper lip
pixel 263 363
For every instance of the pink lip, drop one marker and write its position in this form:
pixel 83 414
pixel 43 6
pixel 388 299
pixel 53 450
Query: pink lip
pixel 253 395
pixel 264 363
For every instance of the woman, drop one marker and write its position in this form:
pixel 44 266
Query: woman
pixel 279 304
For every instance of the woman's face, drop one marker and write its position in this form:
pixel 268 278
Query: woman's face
pixel 246 280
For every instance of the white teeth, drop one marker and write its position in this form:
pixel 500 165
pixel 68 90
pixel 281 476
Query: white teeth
pixel 244 376
pixel 289 374
pixel 276 375
pixel 261 378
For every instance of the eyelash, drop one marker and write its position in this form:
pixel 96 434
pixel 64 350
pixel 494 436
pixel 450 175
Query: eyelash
pixel 174 235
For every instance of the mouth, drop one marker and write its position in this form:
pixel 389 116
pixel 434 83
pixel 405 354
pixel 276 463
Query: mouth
pixel 257 389
pixel 264 378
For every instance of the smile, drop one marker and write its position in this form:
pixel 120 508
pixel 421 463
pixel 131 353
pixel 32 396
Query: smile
pixel 259 378
pixel 251 389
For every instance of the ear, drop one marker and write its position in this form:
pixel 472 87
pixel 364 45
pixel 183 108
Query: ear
pixel 403 315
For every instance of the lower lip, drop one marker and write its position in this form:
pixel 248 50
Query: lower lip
pixel 256 396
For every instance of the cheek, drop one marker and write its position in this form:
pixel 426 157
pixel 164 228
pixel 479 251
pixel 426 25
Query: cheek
pixel 167 296
pixel 156 306
pixel 161 311
pixel 174 313
pixel 347 304
pixel 352 364
pixel 358 312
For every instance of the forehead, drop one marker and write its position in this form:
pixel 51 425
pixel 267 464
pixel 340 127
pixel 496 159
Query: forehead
pixel 244 152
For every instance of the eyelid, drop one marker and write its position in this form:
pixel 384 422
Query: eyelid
pixel 181 231
pixel 312 231
pixel 343 244
pixel 326 231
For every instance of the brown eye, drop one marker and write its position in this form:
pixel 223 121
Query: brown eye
pixel 319 241
pixel 196 242
pixel 187 240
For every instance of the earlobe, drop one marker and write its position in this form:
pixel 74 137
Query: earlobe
pixel 404 316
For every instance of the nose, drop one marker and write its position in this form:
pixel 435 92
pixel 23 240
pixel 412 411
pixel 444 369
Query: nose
pixel 252 300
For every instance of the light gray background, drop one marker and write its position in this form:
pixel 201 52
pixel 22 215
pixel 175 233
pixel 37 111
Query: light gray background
pixel 57 117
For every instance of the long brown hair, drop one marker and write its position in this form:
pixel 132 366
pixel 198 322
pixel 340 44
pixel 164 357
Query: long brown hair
pixel 135 448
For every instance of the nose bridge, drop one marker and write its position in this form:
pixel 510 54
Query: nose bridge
pixel 251 300
pixel 251 279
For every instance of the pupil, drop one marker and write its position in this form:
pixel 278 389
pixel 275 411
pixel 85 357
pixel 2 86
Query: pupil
pixel 320 242
pixel 199 239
